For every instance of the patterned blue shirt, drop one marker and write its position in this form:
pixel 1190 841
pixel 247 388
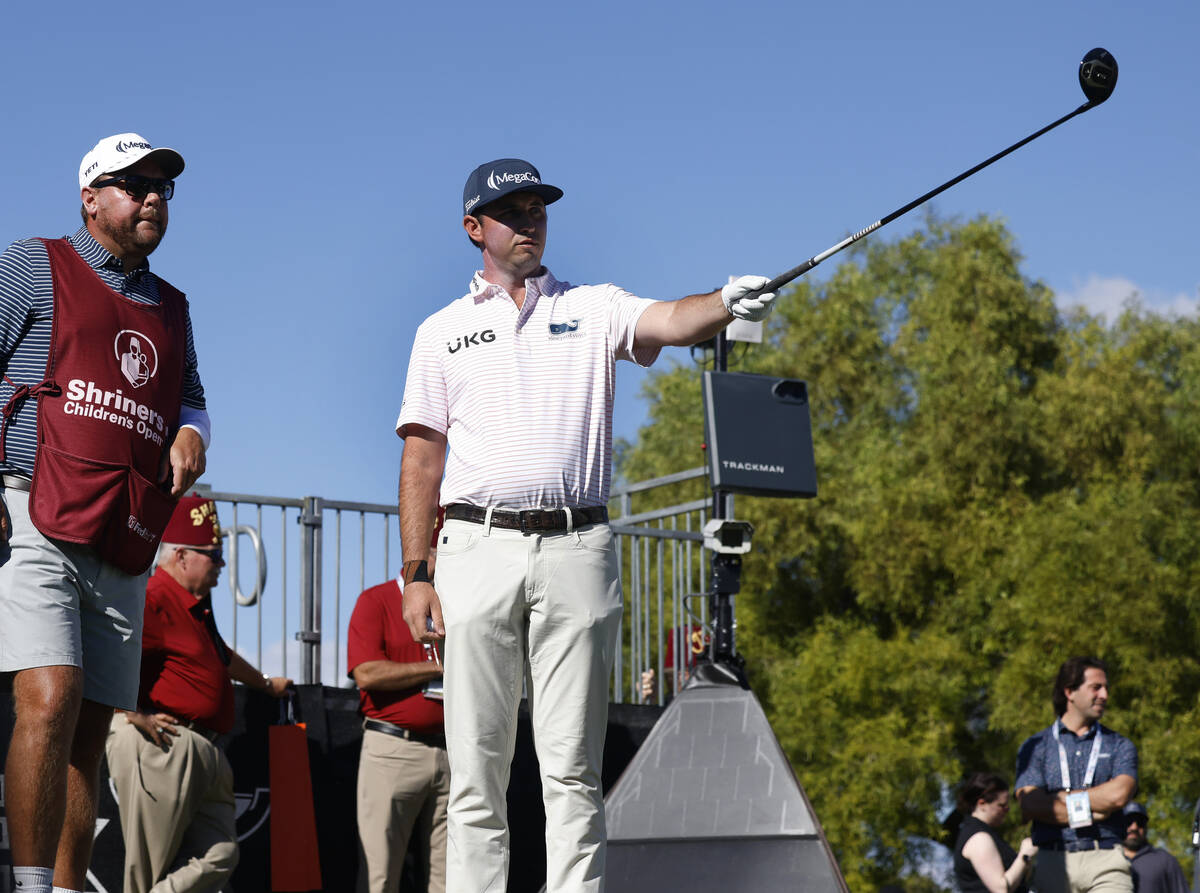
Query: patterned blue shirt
pixel 26 317
pixel 1038 766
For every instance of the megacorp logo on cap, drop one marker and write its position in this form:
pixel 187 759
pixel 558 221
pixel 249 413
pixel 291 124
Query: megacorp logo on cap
pixel 125 146
pixel 497 181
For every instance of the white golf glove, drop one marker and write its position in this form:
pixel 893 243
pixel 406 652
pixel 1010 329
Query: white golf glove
pixel 745 299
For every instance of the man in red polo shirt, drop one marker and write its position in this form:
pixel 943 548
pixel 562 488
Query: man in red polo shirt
pixel 403 771
pixel 174 785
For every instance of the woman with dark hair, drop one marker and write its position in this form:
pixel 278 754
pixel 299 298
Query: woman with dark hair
pixel 983 860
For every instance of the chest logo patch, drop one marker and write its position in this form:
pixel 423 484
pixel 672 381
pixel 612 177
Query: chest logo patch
pixel 487 336
pixel 136 355
pixel 564 328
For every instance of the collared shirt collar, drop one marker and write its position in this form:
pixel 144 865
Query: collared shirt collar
pixel 543 284
pixel 203 603
pixel 99 257
pixel 1064 732
pixel 185 599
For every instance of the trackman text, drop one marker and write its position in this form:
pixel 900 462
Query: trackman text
pixel 752 466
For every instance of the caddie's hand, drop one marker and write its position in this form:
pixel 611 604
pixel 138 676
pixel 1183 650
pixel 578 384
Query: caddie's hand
pixel 745 299
pixel 184 463
pixel 5 524
pixel 423 612
pixel 279 686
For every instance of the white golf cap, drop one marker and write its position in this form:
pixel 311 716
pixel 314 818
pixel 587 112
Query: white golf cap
pixel 117 152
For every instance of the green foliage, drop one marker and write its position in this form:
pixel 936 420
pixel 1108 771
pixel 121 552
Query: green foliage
pixel 1001 487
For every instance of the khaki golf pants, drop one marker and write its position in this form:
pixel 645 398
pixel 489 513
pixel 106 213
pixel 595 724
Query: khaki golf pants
pixel 1088 871
pixel 549 606
pixel 177 810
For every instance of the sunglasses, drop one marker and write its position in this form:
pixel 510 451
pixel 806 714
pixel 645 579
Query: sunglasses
pixel 137 186
pixel 215 554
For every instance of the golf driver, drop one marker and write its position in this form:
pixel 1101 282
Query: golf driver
pixel 1097 77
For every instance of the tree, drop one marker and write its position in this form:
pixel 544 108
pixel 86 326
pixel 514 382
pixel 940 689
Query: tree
pixel 1001 487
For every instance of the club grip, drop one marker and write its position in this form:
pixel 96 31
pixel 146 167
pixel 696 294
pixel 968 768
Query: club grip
pixel 794 273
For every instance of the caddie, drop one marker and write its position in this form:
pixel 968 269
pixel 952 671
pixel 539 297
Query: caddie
pixel 104 425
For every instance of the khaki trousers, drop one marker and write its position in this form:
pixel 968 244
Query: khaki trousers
pixel 177 811
pixel 1088 871
pixel 402 786
pixel 548 606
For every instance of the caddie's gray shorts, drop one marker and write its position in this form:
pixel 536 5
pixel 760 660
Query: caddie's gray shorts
pixel 60 605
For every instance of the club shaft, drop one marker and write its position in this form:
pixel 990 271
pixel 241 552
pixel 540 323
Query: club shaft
pixel 784 278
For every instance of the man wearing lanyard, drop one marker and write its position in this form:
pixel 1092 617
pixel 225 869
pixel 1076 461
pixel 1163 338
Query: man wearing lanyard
pixel 1073 780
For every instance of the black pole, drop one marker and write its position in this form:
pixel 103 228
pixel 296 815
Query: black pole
pixel 726 569
pixel 1196 849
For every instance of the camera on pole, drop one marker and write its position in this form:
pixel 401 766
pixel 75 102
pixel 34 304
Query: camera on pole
pixel 758 438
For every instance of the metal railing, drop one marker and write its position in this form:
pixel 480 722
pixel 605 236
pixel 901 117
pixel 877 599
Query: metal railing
pixel 321 553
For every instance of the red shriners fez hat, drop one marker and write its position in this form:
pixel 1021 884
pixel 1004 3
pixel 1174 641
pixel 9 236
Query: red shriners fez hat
pixel 194 523
pixel 695 642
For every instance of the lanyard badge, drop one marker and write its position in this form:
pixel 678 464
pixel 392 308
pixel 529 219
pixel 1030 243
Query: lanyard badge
pixel 1079 806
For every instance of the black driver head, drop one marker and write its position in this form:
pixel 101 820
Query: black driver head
pixel 1098 75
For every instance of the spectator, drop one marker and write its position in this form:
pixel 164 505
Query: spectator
pixel 1154 870
pixel 403 771
pixel 174 784
pixel 1073 780
pixel 983 860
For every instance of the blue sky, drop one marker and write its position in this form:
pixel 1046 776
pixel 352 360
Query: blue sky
pixel 318 223
pixel 318 220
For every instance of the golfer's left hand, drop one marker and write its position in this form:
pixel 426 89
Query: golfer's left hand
pixel 745 299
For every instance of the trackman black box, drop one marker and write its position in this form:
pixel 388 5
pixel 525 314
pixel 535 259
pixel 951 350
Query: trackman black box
pixel 759 435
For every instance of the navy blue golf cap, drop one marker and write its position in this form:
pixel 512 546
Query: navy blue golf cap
pixel 1133 808
pixel 498 178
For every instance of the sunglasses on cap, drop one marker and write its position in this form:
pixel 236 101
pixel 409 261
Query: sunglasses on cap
pixel 137 186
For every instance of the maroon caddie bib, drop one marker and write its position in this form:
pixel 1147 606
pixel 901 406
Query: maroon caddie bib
pixel 107 412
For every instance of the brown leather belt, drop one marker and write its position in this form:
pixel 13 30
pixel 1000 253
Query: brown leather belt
pixel 530 520
pixel 1076 846
pixel 388 728
pixel 201 730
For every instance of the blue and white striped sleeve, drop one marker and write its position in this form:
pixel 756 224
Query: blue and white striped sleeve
pixel 17 284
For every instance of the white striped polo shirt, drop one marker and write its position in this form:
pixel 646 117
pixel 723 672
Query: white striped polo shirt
pixel 524 397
